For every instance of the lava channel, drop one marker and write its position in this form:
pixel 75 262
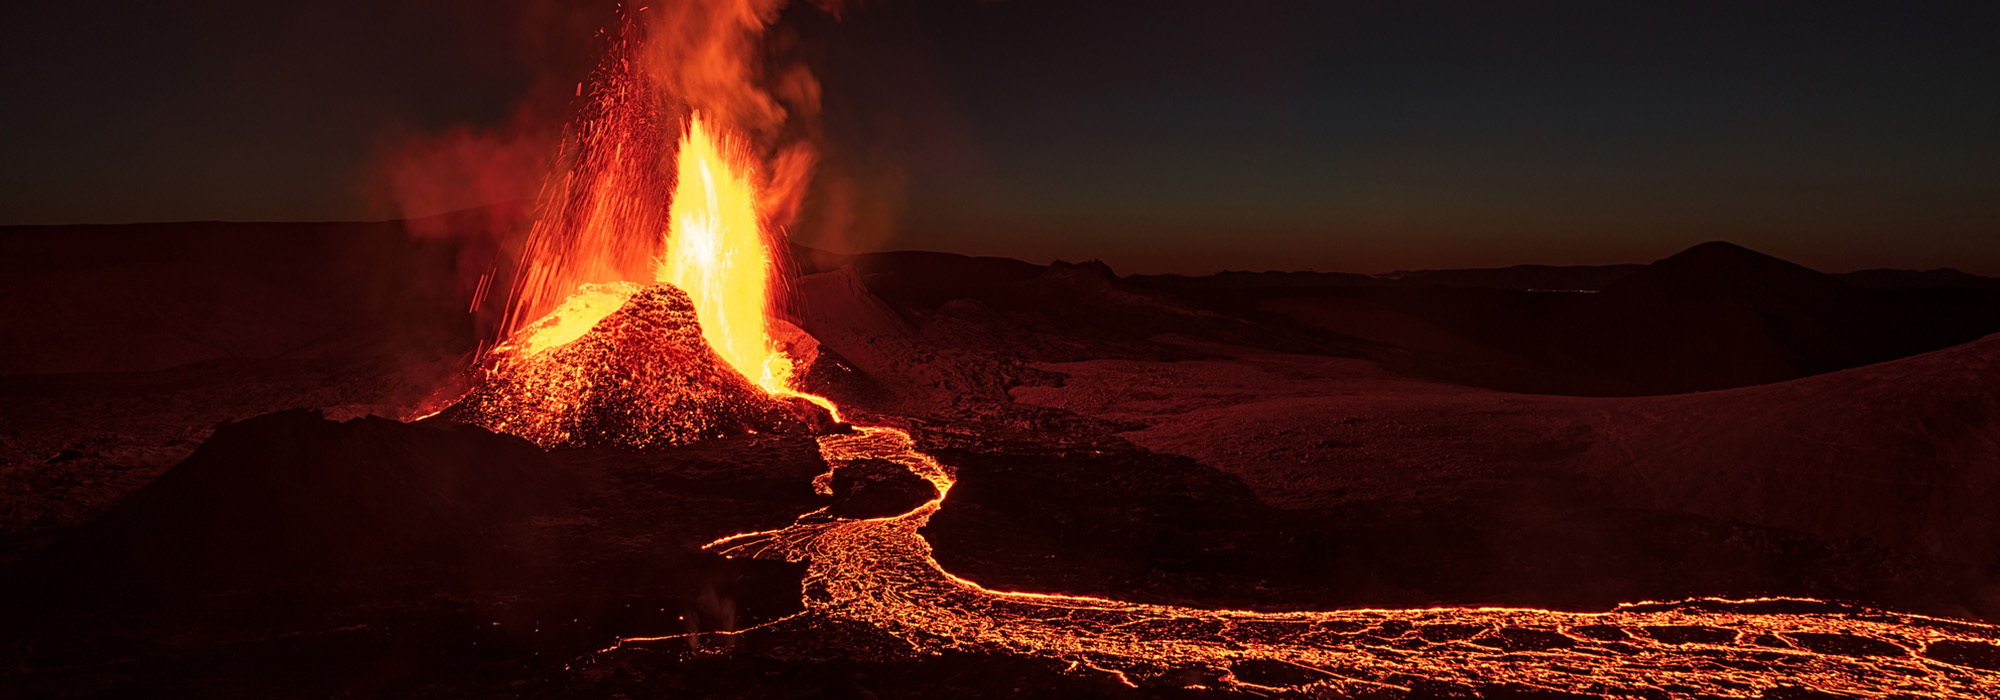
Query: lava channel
pixel 880 572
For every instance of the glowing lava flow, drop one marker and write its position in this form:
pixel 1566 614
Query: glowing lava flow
pixel 880 572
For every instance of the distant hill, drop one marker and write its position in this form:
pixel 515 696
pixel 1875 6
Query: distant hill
pixel 1714 316
pixel 1588 278
pixel 1883 278
pixel 1720 315
pixel 1234 279
pixel 1569 278
pixel 1546 278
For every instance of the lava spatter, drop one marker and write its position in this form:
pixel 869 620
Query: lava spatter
pixel 640 377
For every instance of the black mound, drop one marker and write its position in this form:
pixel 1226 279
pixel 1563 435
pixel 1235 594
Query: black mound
pixel 292 494
pixel 873 488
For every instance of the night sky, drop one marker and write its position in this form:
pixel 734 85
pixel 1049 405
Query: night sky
pixel 1184 136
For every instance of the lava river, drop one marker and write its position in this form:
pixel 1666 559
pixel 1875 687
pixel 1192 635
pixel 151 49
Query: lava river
pixel 880 572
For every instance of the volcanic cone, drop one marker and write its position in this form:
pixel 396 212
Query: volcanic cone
pixel 642 377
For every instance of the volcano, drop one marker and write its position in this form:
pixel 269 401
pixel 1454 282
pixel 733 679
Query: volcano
pixel 642 377
pixel 604 456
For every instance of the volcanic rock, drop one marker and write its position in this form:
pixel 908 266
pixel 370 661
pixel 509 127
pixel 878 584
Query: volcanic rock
pixel 1872 484
pixel 873 488
pixel 1719 315
pixel 1089 274
pixel 641 378
pixel 1715 315
pixel 293 494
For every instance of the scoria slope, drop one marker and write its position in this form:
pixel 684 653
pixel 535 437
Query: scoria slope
pixel 641 378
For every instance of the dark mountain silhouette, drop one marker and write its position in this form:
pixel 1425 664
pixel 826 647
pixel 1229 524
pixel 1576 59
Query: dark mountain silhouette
pixel 1944 277
pixel 1566 278
pixel 1720 315
pixel 1517 277
pixel 1237 279
pixel 1717 268
pixel 1714 316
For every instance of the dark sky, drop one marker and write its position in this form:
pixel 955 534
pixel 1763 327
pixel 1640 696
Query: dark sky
pixel 1159 135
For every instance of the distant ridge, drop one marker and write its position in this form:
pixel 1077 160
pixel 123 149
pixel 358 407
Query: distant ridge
pixel 1720 315
pixel 1944 277
pixel 1553 278
pixel 1237 279
pixel 1566 278
pixel 1570 278
pixel 1720 267
pixel 1713 316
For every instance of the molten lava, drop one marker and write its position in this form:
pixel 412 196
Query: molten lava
pixel 575 317
pixel 641 377
pixel 716 251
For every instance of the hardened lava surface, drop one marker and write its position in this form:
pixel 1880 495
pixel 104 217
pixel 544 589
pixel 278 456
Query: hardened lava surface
pixel 879 572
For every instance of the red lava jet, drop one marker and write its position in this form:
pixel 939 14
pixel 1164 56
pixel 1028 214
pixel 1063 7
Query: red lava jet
pixel 604 348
